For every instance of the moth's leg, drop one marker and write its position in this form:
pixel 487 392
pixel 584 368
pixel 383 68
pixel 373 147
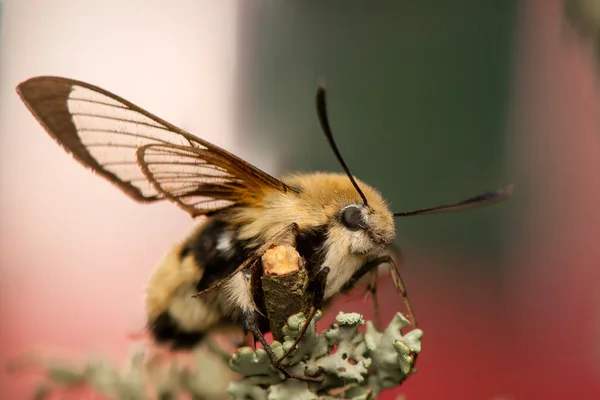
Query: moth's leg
pixel 317 285
pixel 362 271
pixel 251 325
pixel 399 285
pixel 372 289
pixel 369 268
pixel 370 265
pixel 372 285
pixel 396 279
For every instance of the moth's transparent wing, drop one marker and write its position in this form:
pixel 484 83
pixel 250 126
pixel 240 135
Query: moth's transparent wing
pixel 104 132
pixel 198 180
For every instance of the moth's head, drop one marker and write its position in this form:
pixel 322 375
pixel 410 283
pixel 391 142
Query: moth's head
pixel 363 227
pixel 367 228
pixel 331 200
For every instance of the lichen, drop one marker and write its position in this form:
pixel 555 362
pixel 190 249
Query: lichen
pixel 355 365
pixel 149 375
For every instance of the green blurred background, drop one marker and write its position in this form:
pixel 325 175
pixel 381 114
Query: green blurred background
pixel 418 96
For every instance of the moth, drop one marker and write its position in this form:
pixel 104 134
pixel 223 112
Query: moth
pixel 342 227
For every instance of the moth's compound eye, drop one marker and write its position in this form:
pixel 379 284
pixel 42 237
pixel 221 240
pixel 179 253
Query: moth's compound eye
pixel 352 218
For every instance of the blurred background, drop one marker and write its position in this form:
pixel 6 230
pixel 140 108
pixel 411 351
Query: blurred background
pixel 431 102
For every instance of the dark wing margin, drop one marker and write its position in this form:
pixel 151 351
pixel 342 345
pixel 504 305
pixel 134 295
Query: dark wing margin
pixel 121 142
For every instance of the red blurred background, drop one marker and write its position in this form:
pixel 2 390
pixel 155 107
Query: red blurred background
pixel 75 253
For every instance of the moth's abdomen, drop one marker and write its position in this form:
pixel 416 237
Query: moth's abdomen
pixel 218 251
pixel 165 329
pixel 175 317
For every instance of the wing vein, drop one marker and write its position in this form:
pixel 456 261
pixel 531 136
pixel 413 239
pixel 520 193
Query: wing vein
pixel 124 133
pixel 103 103
pixel 129 121
pixel 146 157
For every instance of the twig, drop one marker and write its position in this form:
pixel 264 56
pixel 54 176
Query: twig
pixel 285 286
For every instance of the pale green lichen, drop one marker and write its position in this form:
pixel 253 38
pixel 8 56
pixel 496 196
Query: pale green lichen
pixel 350 319
pixel 205 377
pixel 361 366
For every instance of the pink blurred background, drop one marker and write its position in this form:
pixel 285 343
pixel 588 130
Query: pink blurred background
pixel 75 253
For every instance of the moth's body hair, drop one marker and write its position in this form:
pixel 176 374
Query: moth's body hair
pixel 219 246
pixel 174 315
pixel 317 205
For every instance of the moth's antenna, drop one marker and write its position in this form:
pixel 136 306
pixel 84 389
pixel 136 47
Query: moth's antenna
pixel 324 120
pixel 476 201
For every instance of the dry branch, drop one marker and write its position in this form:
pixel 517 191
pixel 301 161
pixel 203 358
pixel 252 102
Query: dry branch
pixel 285 286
